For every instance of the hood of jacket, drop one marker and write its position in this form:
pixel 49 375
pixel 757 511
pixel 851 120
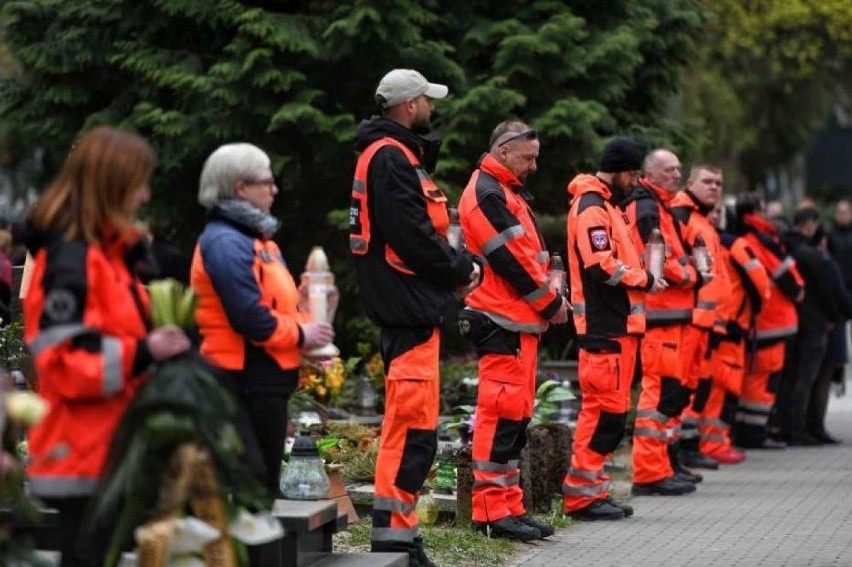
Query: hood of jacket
pixel 379 127
pixel 586 183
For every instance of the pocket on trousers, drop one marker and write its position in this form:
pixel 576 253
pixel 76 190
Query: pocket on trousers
pixel 769 359
pixel 599 372
pixel 661 358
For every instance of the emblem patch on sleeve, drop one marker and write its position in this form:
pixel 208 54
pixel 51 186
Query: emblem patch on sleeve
pixel 599 239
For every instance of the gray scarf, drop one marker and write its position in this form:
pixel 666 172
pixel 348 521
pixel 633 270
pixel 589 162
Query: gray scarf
pixel 244 213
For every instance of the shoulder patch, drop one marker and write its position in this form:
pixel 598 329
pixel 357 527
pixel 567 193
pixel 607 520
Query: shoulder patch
pixel 599 239
pixel 61 305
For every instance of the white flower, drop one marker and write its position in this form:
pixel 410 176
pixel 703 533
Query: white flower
pixel 255 529
pixel 26 408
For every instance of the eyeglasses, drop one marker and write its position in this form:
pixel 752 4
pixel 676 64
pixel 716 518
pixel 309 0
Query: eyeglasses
pixel 530 134
pixel 268 182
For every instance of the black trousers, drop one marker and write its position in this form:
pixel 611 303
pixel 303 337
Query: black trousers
pixel 266 416
pixel 75 551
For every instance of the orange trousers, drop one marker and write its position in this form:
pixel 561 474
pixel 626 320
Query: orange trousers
pixel 605 380
pixel 726 365
pixel 662 398
pixel 696 379
pixel 759 388
pixel 503 410
pixel 409 430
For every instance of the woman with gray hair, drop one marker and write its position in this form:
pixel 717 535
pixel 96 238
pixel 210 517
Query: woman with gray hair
pixel 248 313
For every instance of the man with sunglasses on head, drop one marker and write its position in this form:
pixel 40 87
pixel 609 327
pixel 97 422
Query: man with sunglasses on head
pixel 504 317
pixel 407 275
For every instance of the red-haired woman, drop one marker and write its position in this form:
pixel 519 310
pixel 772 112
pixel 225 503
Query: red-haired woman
pixel 86 318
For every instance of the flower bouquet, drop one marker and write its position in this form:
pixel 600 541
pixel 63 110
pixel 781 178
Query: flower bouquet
pixel 175 454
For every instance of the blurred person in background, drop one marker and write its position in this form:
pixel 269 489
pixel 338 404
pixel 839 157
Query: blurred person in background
pixel 248 317
pixel 774 324
pixel 817 314
pixel 837 248
pixel 5 276
pixel 87 321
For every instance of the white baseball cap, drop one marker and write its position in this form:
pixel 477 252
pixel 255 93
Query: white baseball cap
pixel 404 84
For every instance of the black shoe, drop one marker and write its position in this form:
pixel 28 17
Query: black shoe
pixel 666 487
pixel 545 529
pixel 803 440
pixel 508 527
pixel 686 475
pixel 416 555
pixel 599 510
pixel 826 438
pixel 767 443
pixel 698 460
pixel 422 559
pixel 626 508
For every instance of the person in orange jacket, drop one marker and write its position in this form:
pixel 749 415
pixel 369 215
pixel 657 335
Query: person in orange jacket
pixel 775 323
pixel 504 318
pixel 749 287
pixel 87 322
pixel 407 276
pixel 608 285
pixel 691 208
pixel 664 392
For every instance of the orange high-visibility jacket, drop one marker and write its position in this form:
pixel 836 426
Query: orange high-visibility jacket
pixel 647 208
pixel 500 227
pixel 608 282
pixel 86 317
pixel 750 286
pixel 692 216
pixel 778 319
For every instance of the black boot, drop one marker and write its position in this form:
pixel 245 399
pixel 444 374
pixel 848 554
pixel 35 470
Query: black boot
pixel 508 527
pixel 666 487
pixel 545 529
pixel 416 555
pixel 626 508
pixel 599 510
pixel 681 473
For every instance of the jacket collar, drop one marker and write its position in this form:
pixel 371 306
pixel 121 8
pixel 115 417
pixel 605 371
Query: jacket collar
pixel 661 194
pixel 702 208
pixel 759 224
pixel 490 165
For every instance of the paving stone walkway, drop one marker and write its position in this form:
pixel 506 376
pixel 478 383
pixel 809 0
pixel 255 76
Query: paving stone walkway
pixel 778 508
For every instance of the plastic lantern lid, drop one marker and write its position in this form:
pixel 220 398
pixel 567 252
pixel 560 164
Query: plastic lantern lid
pixel 304 447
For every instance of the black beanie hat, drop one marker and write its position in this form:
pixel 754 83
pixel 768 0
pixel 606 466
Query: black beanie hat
pixel 621 154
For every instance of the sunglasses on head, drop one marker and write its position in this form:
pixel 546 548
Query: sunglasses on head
pixel 530 134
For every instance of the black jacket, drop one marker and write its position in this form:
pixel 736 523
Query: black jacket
pixel 398 217
pixel 819 307
pixel 840 246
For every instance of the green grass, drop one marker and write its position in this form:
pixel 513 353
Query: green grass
pixel 447 544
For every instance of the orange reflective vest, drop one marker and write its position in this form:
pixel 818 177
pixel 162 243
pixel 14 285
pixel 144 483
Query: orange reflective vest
pixel 692 216
pixel 278 299
pixel 359 213
pixel 608 282
pixel 500 227
pixel 778 318
pixel 647 207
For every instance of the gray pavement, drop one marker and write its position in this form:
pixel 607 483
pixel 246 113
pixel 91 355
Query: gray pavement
pixel 778 508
